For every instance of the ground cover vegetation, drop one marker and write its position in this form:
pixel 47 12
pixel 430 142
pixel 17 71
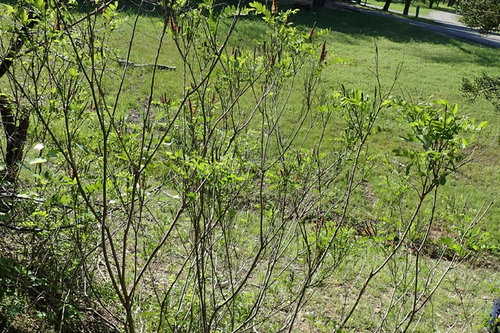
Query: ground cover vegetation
pixel 282 177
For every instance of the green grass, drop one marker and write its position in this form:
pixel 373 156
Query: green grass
pixel 432 68
pixel 451 309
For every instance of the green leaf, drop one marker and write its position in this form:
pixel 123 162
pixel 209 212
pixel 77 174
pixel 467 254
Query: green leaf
pixel 37 160
pixel 259 8
pixel 482 125
pixel 40 4
pixel 442 102
pixel 437 124
pixel 73 72
pixel 10 9
pixel 386 102
pixel 83 147
pixel 92 187
pixel 446 241
pixel 358 95
pixel 23 16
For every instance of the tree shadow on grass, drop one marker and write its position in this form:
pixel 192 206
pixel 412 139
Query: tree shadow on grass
pixel 355 28
pixel 359 27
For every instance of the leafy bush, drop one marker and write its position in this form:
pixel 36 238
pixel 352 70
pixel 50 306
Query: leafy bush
pixel 202 210
pixel 483 14
pixel 485 85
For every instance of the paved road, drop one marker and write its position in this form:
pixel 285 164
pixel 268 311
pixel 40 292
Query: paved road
pixel 443 17
pixel 446 23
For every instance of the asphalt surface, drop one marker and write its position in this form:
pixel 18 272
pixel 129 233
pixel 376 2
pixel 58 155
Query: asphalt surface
pixel 445 23
pixel 443 17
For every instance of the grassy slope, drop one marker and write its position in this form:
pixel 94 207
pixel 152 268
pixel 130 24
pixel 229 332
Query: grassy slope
pixel 433 66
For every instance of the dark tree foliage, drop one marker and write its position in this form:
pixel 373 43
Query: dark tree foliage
pixel 483 14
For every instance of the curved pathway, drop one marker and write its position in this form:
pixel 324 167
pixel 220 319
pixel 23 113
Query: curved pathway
pixel 443 17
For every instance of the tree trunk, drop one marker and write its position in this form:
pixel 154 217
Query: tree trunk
pixel 386 5
pixel 15 137
pixel 407 7
pixel 15 126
